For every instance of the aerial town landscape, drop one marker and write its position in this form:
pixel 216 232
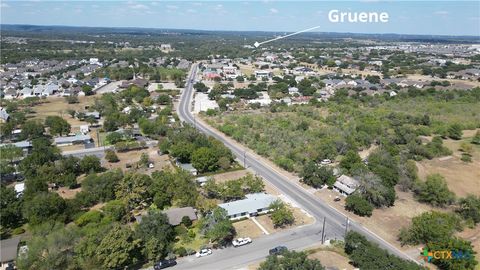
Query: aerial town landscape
pixel 131 147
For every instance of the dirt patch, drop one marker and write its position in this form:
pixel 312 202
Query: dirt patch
pixel 97 206
pixel 67 193
pixel 331 259
pixel 224 177
pixel 131 157
pixel 473 235
pixel 247 228
pixel 366 152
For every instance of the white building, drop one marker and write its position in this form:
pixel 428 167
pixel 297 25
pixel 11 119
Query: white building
pixel 253 205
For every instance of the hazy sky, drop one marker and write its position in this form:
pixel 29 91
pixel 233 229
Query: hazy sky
pixel 406 17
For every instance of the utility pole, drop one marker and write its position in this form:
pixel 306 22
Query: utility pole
pixel 244 159
pixel 323 230
pixel 346 226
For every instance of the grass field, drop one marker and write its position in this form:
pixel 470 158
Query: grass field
pixel 462 177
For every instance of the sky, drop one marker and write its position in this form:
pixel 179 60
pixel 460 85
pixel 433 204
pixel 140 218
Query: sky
pixel 405 17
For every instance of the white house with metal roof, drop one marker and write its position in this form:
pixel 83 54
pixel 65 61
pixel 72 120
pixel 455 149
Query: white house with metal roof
pixel 77 139
pixel 253 205
pixel 346 184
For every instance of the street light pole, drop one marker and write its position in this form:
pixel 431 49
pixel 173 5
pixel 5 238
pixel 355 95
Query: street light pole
pixel 244 159
pixel 346 226
pixel 323 230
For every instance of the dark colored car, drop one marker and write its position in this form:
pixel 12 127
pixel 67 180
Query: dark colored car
pixel 277 250
pixel 164 264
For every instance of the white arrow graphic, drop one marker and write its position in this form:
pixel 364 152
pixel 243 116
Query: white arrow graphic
pixel 257 44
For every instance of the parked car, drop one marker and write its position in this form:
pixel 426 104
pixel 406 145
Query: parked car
pixel 164 264
pixel 241 241
pixel 325 162
pixel 277 250
pixel 337 199
pixel 151 165
pixel 203 252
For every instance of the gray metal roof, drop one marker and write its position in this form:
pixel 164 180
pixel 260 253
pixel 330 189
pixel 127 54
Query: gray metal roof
pixel 175 215
pixel 251 204
pixel 72 139
pixel 21 144
pixel 9 249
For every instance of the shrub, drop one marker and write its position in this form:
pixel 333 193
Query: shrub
pixel 186 221
pixel 358 205
pixel 180 251
pixel 430 227
pixel 466 157
pixel 18 231
pixel 89 217
pixel 110 156
pixel 435 191
pixel 281 215
pixel 367 255
pixel 470 208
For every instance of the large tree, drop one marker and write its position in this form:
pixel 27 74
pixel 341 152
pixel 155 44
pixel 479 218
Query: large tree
pixel 57 125
pixel 458 245
pixel 157 233
pixel 205 159
pixel 367 255
pixel 134 189
pixel 217 227
pixel 291 260
pixel 435 191
pixel 280 214
pixel 316 176
pixel 10 208
pixel 90 164
pixel 119 248
pixel 45 206
pixel 430 227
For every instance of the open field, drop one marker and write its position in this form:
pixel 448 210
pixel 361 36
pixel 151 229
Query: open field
pixel 385 222
pixel 58 106
pixel 131 157
pixel 462 177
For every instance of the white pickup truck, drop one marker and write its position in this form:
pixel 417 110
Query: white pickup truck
pixel 241 241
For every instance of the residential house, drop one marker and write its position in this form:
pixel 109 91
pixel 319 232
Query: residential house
pixel 263 74
pixel 9 252
pixel 187 167
pixel 70 140
pixel 175 215
pixel 4 115
pixel 346 185
pixel 253 205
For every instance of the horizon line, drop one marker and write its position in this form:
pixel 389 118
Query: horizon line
pixel 211 30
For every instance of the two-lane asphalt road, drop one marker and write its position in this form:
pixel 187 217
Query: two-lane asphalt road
pixel 298 238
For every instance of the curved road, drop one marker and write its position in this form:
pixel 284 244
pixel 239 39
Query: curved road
pixel 298 238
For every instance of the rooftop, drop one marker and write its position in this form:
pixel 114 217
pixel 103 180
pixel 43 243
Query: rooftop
pixel 251 204
pixel 175 215
pixel 9 248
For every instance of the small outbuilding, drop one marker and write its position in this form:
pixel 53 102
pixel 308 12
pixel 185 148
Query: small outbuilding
pixel 9 252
